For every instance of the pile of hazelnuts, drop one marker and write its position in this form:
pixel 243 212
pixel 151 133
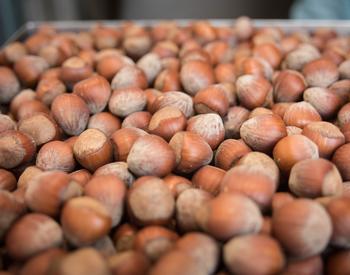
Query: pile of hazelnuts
pixel 173 149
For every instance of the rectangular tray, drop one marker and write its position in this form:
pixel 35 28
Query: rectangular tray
pixel 340 26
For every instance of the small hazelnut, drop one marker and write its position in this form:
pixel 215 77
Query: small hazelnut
pixel 48 89
pixel 56 155
pixel 233 121
pixel 15 148
pixel 127 101
pixel 29 68
pixel 211 99
pixel 95 91
pixel 73 70
pixel 191 151
pixel 303 54
pixel 151 65
pixel 93 149
pixel 267 252
pixel 105 37
pixel 71 113
pixel 292 149
pixel 344 115
pixel 168 80
pixel 124 237
pixel 8 181
pixel 150 202
pixel 7 123
pixel 245 216
pixel 154 241
pixel 341 160
pixel 28 173
pixel 262 132
pixel 105 122
pixel 300 114
pixel 196 75
pixel 320 72
pixel 303 227
pixel 137 45
pixel 84 220
pixel 81 176
pixel 31 234
pixel 269 52
pixel 118 169
pixel 289 86
pixel 47 192
pixel 30 108
pixel 109 191
pixel 166 122
pixel 129 77
pixel 14 51
pixel 325 135
pixel 342 89
pixel 151 155
pixel 225 72
pixel 139 120
pixel 243 27
pixel 208 178
pixel 9 85
pixel 19 99
pixel 254 66
pixel 280 108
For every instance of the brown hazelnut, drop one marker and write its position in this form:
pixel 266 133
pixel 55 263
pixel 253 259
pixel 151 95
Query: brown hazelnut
pixel 154 241
pixel 127 101
pixel 124 237
pixel 267 252
pixel 47 192
pixel 29 68
pixel 187 205
pixel 151 155
pixel 304 53
pixel 244 27
pixel 9 85
pixel 139 120
pixel 95 91
pixel 110 191
pixel 84 220
pixel 81 176
pixel 31 234
pixel 128 263
pixel 208 178
pixel 168 80
pixel 300 114
pixel 341 88
pixel 71 113
pixel 93 149
pixel 73 70
pixel 15 148
pixel 289 86
pixel 320 72
pixel 211 99
pixel 7 123
pixel 105 122
pixel 269 52
pixel 28 173
pixel 280 108
pixel 233 121
pixel 292 149
pixel 254 66
pixel 262 132
pixel 191 151
pixel 303 227
pixel 196 75
pixel 344 115
pixel 56 155
pixel 8 181
pixel 129 77
pixel 341 160
pixel 37 41
pixel 105 37
pixel 14 51
pixel 166 122
pixel 118 169
pixel 19 99
pixel 150 202
pixel 137 45
pixel 151 65
pixel 30 108
pixel 325 135
pixel 48 89
pixel 225 72
pixel 308 266
pixel 253 91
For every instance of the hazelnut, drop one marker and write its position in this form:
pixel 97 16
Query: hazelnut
pixel 29 68
pixel 314 178
pixel 320 72
pixel 81 176
pixel 56 155
pixel 179 100
pixel 280 108
pixel 95 91
pixel 31 234
pixel 211 99
pixel 127 101
pixel 8 181
pixel 154 241
pixel 15 148
pixel 326 102
pixel 7 123
pixel 93 149
pixel 187 205
pixel 37 41
pixel 177 184
pixel 129 77
pixel 30 108
pixel 105 37
pixel 254 66
pixel 344 115
pixel 151 65
pixel 308 266
pixel 267 252
pixel 105 122
pixel 165 48
pixel 208 178
pixel 129 263
pixel 289 86
pixel 151 95
pixel 243 27
pixel 41 127
pixel 48 89
pixel 166 122
pixel 137 45
pixel 203 31
pixel 150 202
pixel 73 70
pixel 19 99
pixel 14 51
pixel 325 135
pixel 262 132
pixel 110 191
pixel 168 80
pixel 252 91
pixel 191 151
pixel 71 113
pixel 28 173
pixel 233 121
pixel 303 227
pixel 196 75
pixel 244 213
pixel 342 89
pixel 118 169
pixel 47 192
pixel 293 130
pixel 292 149
pixel 123 140
pixel 303 54
pixel 269 52
pixel 9 85
pixel 151 155
pixel 124 237
pixel 85 220
pixel 108 64
pixel 225 72
pixel 300 114
pixel 341 160
pixel 139 120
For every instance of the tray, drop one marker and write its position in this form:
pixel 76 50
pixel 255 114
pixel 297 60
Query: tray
pixel 340 26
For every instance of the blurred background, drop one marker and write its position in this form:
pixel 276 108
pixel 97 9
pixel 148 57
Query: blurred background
pixel 14 13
